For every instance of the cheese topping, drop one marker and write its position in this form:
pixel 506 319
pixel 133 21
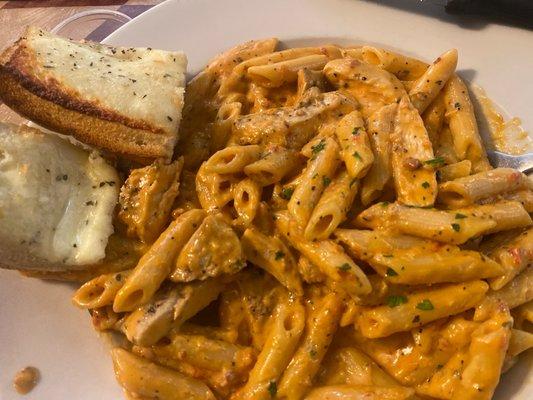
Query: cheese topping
pixel 56 200
pixel 142 83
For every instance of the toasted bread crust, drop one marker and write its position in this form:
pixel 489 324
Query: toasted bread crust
pixel 133 143
pixel 19 67
pixel 33 93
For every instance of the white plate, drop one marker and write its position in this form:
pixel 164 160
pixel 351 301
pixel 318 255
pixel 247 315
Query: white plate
pixel 38 324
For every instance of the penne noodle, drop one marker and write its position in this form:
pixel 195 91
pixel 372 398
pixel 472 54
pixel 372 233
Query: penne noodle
pixel 270 254
pixel 433 118
pixel 415 183
pixel 524 197
pixel 515 256
pixel 454 226
pixel 273 166
pixel 427 262
pixel 468 190
pixel 329 257
pixel 463 126
pixel 405 68
pixel 380 127
pixel 332 208
pixel 283 72
pixel 246 199
pixel 360 393
pixel 320 327
pixel 155 266
pixel 282 339
pixel 403 313
pixel 100 291
pixel 232 159
pixel 355 146
pixel 206 354
pixel 453 171
pixel 426 88
pixel 319 171
pixel 514 294
pixel 138 375
pixel 214 190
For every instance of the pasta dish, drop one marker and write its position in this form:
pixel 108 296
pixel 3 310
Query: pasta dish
pixel 329 228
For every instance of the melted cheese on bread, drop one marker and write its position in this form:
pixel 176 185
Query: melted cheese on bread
pixel 56 201
pixel 141 83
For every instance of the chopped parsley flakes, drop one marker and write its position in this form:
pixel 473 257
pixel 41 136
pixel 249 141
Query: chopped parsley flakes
pixel 435 162
pixel 425 305
pixel 345 267
pixel 391 272
pixel 279 255
pixel 317 148
pixel 286 193
pixel 272 389
pixel 395 301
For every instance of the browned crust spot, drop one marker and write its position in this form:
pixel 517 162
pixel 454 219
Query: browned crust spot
pixel 132 143
pixel 19 62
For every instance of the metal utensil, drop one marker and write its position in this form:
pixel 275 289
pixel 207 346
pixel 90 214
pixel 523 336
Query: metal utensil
pixel 523 162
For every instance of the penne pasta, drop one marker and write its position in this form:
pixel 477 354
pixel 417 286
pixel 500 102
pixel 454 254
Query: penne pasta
pixel 273 166
pixel 155 266
pixel 246 199
pixel 463 126
pixel 427 262
pixel 415 183
pixel 332 208
pixel 468 190
pixel 360 393
pixel 283 72
pixel 515 256
pixel 433 118
pixel 329 257
pixel 426 88
pixel 141 376
pixel 514 294
pixel 405 68
pixel 232 159
pixel 454 226
pixel 355 146
pixel 315 177
pixel 270 254
pixel 380 127
pixel 453 171
pixel 320 328
pixel 403 313
pixel 100 291
pixel 285 330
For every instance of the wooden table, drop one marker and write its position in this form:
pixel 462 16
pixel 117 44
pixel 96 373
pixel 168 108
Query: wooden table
pixel 15 15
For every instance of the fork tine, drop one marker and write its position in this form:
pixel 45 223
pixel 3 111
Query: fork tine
pixel 523 163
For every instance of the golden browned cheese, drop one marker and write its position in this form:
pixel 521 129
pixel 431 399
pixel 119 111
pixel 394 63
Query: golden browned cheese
pixel 147 197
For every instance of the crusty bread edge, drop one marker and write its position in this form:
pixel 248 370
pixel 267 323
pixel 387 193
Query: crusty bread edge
pixel 66 111
pixel 133 143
